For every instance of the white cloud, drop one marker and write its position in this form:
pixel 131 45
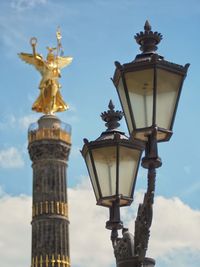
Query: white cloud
pixel 89 238
pixel 15 231
pixel 21 5
pixel 11 158
pixel 175 227
pixel 175 232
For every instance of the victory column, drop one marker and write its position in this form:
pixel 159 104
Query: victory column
pixel 49 142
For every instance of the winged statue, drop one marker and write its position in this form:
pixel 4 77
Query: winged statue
pixel 49 99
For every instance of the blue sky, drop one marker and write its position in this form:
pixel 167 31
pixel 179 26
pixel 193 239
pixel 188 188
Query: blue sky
pixel 97 33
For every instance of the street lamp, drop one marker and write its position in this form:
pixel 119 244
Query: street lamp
pixel 149 89
pixel 112 161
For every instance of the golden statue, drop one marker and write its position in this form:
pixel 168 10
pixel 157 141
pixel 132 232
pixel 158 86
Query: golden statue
pixel 50 99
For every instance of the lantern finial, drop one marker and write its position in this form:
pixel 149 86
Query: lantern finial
pixel 148 39
pixel 111 117
pixel 147 26
pixel 111 105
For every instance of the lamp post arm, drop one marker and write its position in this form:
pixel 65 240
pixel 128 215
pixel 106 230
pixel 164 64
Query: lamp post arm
pixel 143 221
pixel 130 250
pixel 144 218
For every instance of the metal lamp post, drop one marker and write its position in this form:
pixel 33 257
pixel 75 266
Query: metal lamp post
pixel 149 89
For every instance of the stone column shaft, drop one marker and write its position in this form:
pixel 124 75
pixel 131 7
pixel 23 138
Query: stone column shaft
pixel 50 222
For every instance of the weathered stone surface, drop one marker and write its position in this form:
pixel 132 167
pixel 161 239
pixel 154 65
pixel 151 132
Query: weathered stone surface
pixel 48 149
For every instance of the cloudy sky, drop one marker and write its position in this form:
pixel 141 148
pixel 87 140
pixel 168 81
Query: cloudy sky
pixel 97 33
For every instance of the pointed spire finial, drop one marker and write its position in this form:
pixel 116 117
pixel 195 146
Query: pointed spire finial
pixel 112 117
pixel 147 26
pixel 111 105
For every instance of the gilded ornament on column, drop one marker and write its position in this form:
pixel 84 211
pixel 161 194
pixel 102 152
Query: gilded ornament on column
pixel 49 99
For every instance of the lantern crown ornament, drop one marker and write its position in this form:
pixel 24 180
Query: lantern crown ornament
pixel 149 89
pixel 148 39
pixel 112 117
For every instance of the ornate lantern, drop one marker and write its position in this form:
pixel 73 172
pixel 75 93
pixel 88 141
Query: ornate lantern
pixel 112 161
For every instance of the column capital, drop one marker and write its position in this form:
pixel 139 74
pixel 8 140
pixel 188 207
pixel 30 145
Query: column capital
pixel 49 149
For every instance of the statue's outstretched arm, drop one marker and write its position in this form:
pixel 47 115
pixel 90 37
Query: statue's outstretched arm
pixel 33 42
pixel 33 59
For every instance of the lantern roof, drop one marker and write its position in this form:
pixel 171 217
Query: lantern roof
pixel 148 41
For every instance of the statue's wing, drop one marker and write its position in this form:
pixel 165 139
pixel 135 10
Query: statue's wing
pixel 63 61
pixel 37 60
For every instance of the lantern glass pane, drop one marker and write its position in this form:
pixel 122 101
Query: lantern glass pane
pixel 140 89
pixel 92 175
pixel 168 85
pixel 124 102
pixel 128 164
pixel 105 164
